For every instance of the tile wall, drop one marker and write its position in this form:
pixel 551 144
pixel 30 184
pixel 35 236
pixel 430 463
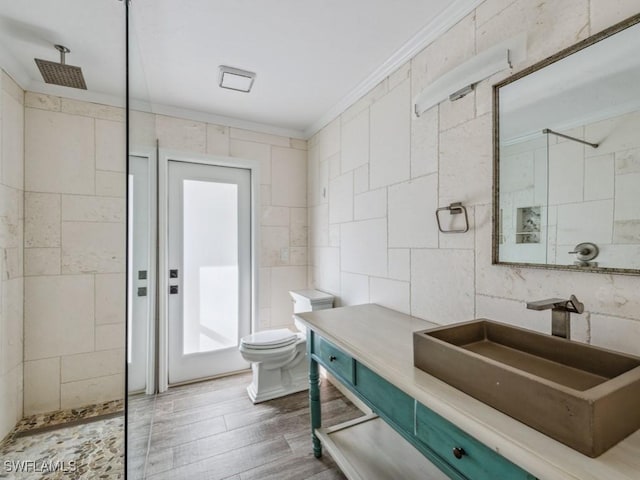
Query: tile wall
pixel 11 251
pixel 377 174
pixel 74 261
pixel 75 239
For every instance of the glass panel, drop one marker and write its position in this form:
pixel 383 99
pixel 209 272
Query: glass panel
pixel 210 245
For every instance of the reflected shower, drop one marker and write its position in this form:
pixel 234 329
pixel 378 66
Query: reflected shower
pixel 61 73
pixel 547 131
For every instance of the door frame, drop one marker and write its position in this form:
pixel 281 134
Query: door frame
pixel 165 156
pixel 150 155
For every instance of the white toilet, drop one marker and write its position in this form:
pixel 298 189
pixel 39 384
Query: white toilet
pixel 279 357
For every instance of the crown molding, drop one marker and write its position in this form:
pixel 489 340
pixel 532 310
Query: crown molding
pixel 446 19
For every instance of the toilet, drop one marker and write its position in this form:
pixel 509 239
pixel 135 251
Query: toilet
pixel 279 357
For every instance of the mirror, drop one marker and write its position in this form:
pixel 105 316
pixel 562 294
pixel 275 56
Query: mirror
pixel 567 158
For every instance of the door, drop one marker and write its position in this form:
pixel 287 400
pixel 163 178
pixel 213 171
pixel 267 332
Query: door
pixel 209 259
pixel 140 273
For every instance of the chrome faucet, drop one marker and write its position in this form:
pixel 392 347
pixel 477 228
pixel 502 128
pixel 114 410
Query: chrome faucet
pixel 560 310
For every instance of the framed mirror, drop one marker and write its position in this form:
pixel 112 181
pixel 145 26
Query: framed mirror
pixel 567 158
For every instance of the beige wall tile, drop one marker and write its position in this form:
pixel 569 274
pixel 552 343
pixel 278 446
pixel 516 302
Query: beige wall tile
pixel 12 88
pixel 288 177
pixel 41 261
pixel 431 294
pixel 111 153
pixel 180 134
pixel 11 323
pixel 260 152
pixel 372 204
pixel 264 277
pixel 341 199
pixel 424 142
pixel 59 152
pixel 399 264
pixel 466 166
pixel 275 216
pixel 58 315
pixel 326 272
pixel 82 208
pixel 258 137
pixel 284 279
pixel 619 334
pixel 354 289
pixel 110 184
pixel 92 247
pixel 298 143
pixel 550 26
pixel 41 386
pixel 84 366
pixel 11 399
pixel 363 247
pixel 298 225
pixel 217 140
pixel 390 137
pixel 42 101
pixel 355 142
pixel 12 142
pixel 91 391
pixel 410 226
pixel 605 13
pixel 110 298
pixel 94 110
pixel 390 293
pixel 274 246
pixel 42 220
pixel 328 140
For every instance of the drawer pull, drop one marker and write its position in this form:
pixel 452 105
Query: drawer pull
pixel 332 358
pixel 458 452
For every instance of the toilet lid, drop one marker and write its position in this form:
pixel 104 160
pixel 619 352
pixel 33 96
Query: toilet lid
pixel 270 339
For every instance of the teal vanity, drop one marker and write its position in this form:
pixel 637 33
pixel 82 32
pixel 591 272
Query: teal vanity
pixel 421 427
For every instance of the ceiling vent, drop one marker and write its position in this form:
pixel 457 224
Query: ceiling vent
pixel 236 79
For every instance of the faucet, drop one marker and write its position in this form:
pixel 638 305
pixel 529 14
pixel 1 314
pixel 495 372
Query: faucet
pixel 560 310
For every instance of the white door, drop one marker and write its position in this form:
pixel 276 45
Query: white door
pixel 140 272
pixel 209 258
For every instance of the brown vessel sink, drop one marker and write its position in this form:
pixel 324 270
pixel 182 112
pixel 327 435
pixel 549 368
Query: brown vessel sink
pixel 583 396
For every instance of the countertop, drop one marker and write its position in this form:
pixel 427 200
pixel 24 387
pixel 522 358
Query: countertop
pixel 382 340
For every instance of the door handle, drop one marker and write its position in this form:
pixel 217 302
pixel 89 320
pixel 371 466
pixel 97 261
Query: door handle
pixel 173 273
pixel 173 289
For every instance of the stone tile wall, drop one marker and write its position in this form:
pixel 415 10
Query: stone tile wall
pixel 11 251
pixel 377 173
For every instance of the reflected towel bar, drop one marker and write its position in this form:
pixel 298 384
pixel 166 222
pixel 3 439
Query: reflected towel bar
pixel 454 209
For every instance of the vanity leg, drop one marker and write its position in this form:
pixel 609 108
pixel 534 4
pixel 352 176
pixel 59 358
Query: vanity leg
pixel 314 405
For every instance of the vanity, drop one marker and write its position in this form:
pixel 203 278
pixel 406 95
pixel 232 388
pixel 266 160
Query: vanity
pixel 422 427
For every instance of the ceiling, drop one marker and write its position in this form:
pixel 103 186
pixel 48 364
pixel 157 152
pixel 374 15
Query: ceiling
pixel 312 58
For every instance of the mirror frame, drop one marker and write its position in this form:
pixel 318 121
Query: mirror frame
pixel 629 22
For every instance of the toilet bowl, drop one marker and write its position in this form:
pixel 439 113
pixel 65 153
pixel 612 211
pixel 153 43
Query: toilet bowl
pixel 279 357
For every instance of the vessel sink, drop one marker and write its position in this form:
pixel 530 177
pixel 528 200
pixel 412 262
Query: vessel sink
pixel 583 396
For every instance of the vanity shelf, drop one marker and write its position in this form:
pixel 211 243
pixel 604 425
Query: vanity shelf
pixel 368 449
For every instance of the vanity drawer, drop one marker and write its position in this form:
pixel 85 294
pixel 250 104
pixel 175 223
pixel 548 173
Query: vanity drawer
pixel 384 398
pixel 333 359
pixel 476 461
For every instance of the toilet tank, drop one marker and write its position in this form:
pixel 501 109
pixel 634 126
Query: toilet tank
pixel 310 300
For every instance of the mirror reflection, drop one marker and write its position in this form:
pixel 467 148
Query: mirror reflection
pixel 569 160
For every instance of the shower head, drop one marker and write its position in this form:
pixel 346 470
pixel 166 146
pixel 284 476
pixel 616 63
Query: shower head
pixel 61 73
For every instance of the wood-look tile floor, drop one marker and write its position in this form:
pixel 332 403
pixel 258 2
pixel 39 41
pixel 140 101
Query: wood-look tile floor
pixel 212 431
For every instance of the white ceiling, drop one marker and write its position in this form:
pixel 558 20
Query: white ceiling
pixel 312 58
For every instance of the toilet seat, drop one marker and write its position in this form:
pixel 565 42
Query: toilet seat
pixel 269 339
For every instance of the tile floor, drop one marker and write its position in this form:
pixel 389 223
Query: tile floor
pixel 208 430
pixel 211 430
